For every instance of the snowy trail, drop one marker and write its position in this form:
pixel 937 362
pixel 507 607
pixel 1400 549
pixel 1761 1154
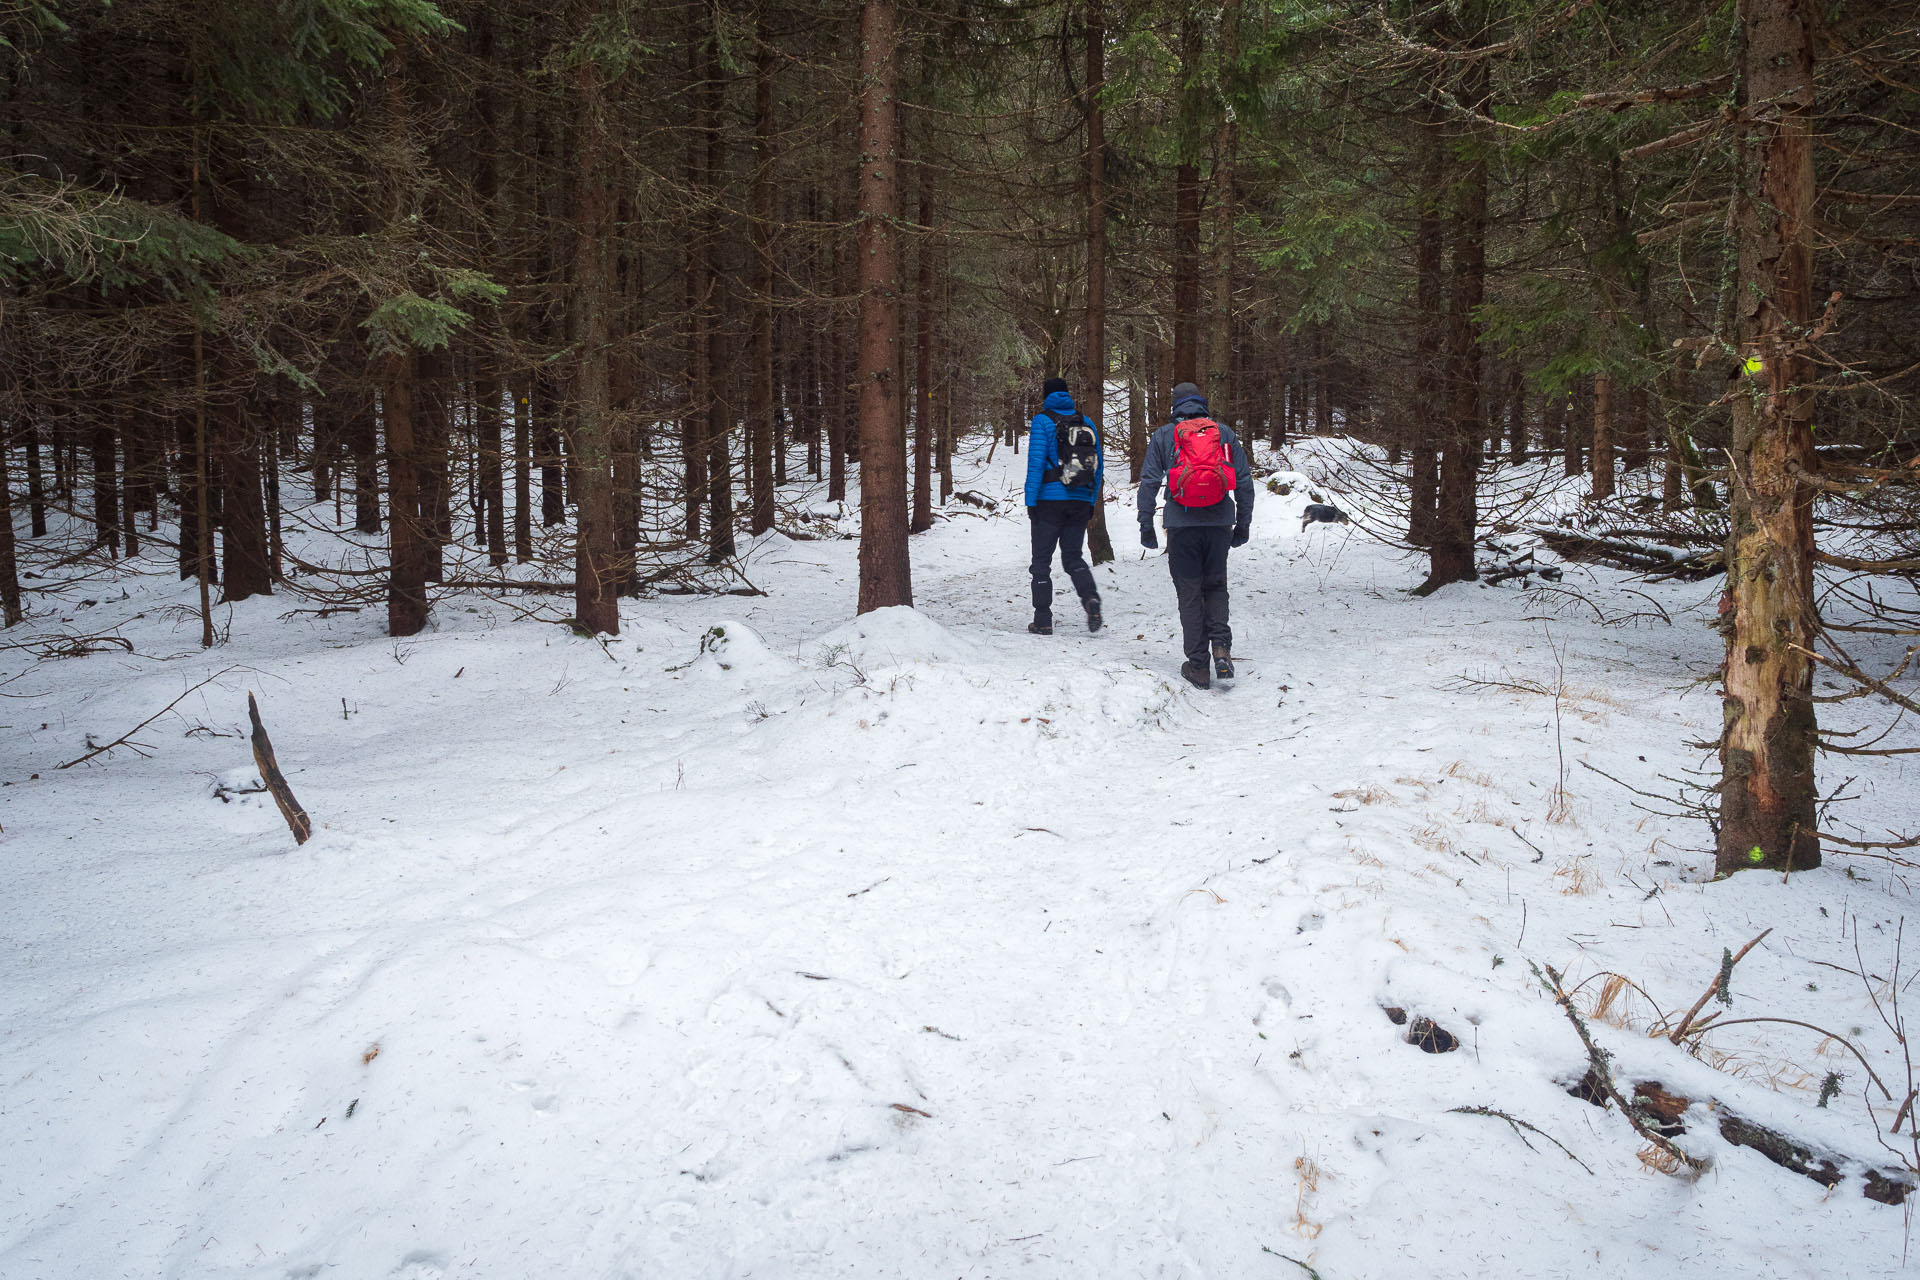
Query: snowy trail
pixel 911 946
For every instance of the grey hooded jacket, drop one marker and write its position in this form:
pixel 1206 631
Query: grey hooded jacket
pixel 1162 453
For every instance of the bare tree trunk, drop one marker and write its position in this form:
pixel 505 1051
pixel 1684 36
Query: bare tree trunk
pixel 406 578
pixel 135 480
pixel 486 412
pixel 597 572
pixel 106 486
pixel 886 572
pixel 720 394
pixel 760 402
pixel 363 439
pixel 243 517
pixel 433 436
pixel 36 476
pixel 522 468
pixel 1094 388
pixel 1450 554
pixel 1516 414
pixel 280 408
pixel 10 610
pixel 1602 457
pixel 1186 217
pixel 1223 395
pixel 1428 254
pixel 1768 790
pixel 1573 452
pixel 545 408
pixel 1322 383
pixel 1277 395
pixel 486 374
pixel 923 434
pixel 693 445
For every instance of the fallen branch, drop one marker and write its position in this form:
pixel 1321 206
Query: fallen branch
pixel 1597 1059
pixel 1795 1022
pixel 1713 988
pixel 297 820
pixel 126 739
pixel 1518 1124
pixel 1641 556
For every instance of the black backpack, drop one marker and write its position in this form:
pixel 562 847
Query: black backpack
pixel 1077 445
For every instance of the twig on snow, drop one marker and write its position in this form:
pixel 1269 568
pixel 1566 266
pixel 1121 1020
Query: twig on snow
pixel 1716 987
pixel 126 739
pixel 1518 1124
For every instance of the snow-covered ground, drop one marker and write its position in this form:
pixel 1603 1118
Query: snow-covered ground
pixel 765 941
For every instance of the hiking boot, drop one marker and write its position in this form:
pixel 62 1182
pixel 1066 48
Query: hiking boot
pixel 1196 674
pixel 1040 628
pixel 1222 663
pixel 1094 620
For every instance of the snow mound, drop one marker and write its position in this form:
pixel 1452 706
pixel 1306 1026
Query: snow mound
pixel 736 649
pixel 894 637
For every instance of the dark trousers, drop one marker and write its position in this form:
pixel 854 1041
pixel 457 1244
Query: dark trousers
pixel 1198 559
pixel 1063 523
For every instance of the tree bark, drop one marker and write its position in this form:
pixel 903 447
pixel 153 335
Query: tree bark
pixel 106 487
pixel 406 532
pixel 522 468
pixel 1768 790
pixel 1516 414
pixel 1428 254
pixel 1602 457
pixel 1450 553
pixel 1094 373
pixel 1223 395
pixel 597 571
pixel 433 436
pixel 363 437
pixel 886 573
pixel 36 476
pixel 760 403
pixel 10 609
pixel 243 516
pixel 921 518
pixel 1186 212
pixel 719 409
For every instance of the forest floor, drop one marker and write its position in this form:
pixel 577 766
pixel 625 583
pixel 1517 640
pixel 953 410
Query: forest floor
pixel 764 941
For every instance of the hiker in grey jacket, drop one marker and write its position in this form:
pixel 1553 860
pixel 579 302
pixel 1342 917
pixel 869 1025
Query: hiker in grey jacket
pixel 1198 536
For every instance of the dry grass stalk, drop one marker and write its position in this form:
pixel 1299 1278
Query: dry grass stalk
pixel 1308 1173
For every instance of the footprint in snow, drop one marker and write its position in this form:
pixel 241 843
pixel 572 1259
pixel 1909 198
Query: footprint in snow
pixel 420 1265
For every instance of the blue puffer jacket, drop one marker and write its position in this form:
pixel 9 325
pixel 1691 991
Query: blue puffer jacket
pixel 1043 455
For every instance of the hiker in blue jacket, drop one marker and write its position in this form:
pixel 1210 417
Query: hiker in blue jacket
pixel 1065 466
pixel 1209 509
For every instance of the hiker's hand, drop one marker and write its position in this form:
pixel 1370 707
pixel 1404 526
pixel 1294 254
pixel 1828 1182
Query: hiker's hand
pixel 1240 535
pixel 1148 538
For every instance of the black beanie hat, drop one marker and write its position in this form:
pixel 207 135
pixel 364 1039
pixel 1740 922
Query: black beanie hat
pixel 1052 385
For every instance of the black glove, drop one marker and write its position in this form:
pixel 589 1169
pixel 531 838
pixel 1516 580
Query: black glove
pixel 1240 535
pixel 1148 538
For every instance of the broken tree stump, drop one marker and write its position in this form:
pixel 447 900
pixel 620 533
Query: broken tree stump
pixel 297 820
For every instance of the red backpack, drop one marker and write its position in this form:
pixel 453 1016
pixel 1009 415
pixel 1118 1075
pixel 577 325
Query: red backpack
pixel 1203 474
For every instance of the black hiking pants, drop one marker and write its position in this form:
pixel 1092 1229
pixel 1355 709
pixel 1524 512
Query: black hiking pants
pixel 1059 522
pixel 1198 560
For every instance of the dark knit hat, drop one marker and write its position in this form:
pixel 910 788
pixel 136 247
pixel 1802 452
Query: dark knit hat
pixel 1187 397
pixel 1052 385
